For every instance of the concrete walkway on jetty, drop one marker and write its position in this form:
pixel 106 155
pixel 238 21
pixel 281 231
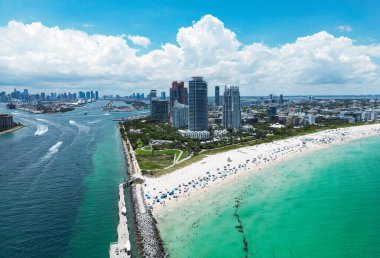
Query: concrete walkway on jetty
pixel 121 248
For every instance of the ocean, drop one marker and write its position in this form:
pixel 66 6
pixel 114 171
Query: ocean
pixel 321 204
pixel 59 181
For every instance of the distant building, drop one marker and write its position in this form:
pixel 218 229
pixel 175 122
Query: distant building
pixel 231 108
pixel 163 95
pixel 198 105
pixel 271 113
pixel 180 115
pixel 217 96
pixel 96 95
pixel 6 121
pixel 159 109
pixel 310 119
pixel 153 94
pixel 81 95
pixel 178 92
pixel 281 99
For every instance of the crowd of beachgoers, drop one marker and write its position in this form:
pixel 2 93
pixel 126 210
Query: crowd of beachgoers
pixel 214 169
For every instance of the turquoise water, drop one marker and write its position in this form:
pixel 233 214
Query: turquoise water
pixel 323 204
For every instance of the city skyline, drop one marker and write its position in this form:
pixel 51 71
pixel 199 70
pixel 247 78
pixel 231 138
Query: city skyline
pixel 334 52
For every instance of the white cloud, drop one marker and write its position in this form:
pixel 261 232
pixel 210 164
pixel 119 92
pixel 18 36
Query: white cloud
pixel 139 40
pixel 37 55
pixel 344 28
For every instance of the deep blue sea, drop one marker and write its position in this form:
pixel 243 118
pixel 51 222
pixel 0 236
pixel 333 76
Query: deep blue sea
pixel 58 183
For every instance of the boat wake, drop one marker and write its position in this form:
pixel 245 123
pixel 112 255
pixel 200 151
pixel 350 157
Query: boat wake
pixel 52 150
pixel 41 130
pixel 93 122
pixel 82 128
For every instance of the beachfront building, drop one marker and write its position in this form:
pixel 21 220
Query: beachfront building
pixel 310 119
pixel 217 96
pixel 194 134
pixel 198 104
pixel 6 121
pixel 159 109
pixel 231 108
pixel 180 115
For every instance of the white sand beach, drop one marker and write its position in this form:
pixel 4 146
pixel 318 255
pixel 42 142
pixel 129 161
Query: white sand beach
pixel 219 168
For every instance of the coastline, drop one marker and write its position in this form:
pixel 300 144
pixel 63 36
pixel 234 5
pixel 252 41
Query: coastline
pixel 148 237
pixel 217 169
pixel 12 129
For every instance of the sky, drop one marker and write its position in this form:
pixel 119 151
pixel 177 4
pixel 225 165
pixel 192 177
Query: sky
pixel 120 47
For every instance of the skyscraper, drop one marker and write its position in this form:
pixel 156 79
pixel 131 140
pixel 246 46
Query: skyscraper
pixel 178 92
pixel 153 94
pixel 217 96
pixel 198 106
pixel 231 108
pixel 163 95
pixel 159 109
pixel 96 95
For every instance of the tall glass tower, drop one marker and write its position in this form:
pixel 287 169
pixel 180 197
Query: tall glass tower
pixel 198 105
pixel 217 96
pixel 231 108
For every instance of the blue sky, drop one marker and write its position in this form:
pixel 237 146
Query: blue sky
pixel 273 23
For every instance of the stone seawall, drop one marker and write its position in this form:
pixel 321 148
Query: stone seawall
pixel 148 236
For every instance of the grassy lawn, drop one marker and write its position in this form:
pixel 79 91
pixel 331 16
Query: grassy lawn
pixel 154 162
pixel 160 160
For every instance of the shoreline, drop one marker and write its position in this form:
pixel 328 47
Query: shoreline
pixel 12 129
pixel 215 170
pixel 148 237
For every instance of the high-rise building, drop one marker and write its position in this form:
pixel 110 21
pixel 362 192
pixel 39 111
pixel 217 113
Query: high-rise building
pixel 43 96
pixel 82 95
pixel 178 92
pixel 6 121
pixel 231 108
pixel 96 95
pixel 198 104
pixel 163 95
pixel 153 94
pixel 88 95
pixel 217 96
pixel 159 109
pixel 271 113
pixel 180 115
pixel 281 99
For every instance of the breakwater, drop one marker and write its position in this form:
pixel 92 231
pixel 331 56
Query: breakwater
pixel 149 240
pixel 121 248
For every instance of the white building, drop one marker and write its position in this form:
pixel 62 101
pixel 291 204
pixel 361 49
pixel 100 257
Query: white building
pixel 180 115
pixel 309 119
pixel 195 134
pixel 219 133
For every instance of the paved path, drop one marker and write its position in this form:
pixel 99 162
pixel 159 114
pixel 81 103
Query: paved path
pixel 122 248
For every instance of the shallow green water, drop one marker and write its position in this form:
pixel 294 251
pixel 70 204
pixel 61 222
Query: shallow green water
pixel 323 204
